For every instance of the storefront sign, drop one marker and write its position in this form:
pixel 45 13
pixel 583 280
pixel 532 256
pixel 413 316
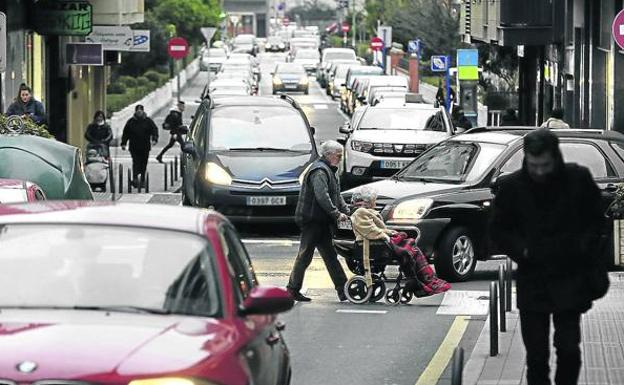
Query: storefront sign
pixel 65 18
pixel 84 54
pixel 112 38
pixel 140 40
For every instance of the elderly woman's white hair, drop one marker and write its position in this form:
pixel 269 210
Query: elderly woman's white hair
pixel 364 195
pixel 330 147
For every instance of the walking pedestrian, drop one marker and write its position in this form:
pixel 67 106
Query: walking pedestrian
pixel 555 120
pixel 319 208
pixel 99 134
pixel 26 106
pixel 142 133
pixel 173 123
pixel 548 218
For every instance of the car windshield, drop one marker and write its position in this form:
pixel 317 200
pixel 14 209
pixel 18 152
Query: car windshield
pixel 453 162
pixel 249 127
pixel 290 68
pixel 12 195
pixel 340 55
pixel 216 52
pixel 244 40
pixel 401 119
pixel 307 55
pixel 107 267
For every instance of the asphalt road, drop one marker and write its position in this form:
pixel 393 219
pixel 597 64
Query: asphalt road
pixel 341 343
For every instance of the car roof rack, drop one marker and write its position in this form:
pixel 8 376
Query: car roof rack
pixel 294 103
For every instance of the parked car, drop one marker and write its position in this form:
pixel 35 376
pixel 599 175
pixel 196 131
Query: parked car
pixel 446 193
pixel 290 77
pixel 105 301
pixel 327 57
pixel 337 79
pixel 387 137
pixel 54 166
pixel 212 59
pixel 246 157
pixel 387 82
pixel 19 191
pixel 354 73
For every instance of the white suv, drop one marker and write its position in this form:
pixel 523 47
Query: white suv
pixel 384 138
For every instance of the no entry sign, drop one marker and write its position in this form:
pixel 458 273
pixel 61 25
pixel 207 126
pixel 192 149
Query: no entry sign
pixel 345 27
pixel 177 47
pixel 376 43
pixel 618 29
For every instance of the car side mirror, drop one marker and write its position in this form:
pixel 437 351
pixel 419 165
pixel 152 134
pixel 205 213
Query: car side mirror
pixel 189 148
pixel 460 130
pixel 345 129
pixel 497 180
pixel 313 130
pixel 266 300
pixel 361 98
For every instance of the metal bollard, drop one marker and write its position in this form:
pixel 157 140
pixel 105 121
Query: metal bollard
pixel 501 298
pixel 141 183
pixel 111 176
pixel 457 370
pixel 175 168
pixel 166 181
pixel 120 179
pixel 493 319
pixel 129 182
pixel 147 182
pixel 171 173
pixel 509 271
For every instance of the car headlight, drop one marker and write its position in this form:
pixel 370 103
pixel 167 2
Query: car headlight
pixel 217 175
pixel 170 381
pixel 304 173
pixel 282 46
pixel 277 81
pixel 410 210
pixel 361 146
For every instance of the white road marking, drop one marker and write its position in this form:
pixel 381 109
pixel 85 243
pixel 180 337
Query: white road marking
pixel 464 302
pixel 280 242
pixel 320 107
pixel 353 311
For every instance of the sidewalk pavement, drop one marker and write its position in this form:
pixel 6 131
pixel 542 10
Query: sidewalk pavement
pixel 602 346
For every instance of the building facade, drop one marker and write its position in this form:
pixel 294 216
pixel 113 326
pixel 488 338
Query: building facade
pixel 568 57
pixel 247 16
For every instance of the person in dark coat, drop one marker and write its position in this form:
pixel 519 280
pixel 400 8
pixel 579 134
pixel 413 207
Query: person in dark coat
pixel 142 133
pixel 510 118
pixel 173 123
pixel 99 134
pixel 26 106
pixel 319 208
pixel 548 218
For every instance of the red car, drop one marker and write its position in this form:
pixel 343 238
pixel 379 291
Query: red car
pixel 103 293
pixel 18 191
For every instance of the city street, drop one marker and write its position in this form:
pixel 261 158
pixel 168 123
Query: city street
pixel 333 342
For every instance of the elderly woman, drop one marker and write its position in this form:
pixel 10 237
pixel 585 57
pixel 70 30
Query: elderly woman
pixel 368 225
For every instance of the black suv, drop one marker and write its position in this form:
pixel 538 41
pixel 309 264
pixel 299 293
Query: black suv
pixel 446 193
pixel 246 157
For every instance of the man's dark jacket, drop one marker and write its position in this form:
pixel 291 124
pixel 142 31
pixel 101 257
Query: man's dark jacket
pixel 140 132
pixel 173 122
pixel 559 224
pixel 320 201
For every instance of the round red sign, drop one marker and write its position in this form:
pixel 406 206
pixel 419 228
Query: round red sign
pixel 376 43
pixel 177 47
pixel 618 29
pixel 345 27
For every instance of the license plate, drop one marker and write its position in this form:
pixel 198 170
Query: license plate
pixel 266 201
pixel 345 225
pixel 290 86
pixel 394 164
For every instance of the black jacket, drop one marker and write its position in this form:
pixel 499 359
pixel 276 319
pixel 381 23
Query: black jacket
pixel 99 134
pixel 552 231
pixel 320 201
pixel 140 132
pixel 173 122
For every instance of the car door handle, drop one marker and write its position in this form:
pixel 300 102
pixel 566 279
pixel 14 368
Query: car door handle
pixel 279 325
pixel 272 339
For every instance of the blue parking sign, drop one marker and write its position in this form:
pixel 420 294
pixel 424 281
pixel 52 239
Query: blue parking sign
pixel 413 46
pixel 439 63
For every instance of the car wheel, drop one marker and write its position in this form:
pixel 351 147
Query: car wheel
pixel 455 258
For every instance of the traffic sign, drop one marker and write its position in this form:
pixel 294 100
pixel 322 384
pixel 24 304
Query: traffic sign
pixel 177 47
pixel 413 46
pixel 285 21
pixel 345 27
pixel 385 33
pixel 467 57
pixel 618 29
pixel 439 63
pixel 208 33
pixel 376 43
pixel 112 38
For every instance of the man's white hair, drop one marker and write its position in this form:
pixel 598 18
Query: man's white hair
pixel 364 195
pixel 330 147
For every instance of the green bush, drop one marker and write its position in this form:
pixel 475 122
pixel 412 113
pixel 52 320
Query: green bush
pixel 153 76
pixel 128 81
pixel 116 88
pixel 142 81
pixel 117 102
